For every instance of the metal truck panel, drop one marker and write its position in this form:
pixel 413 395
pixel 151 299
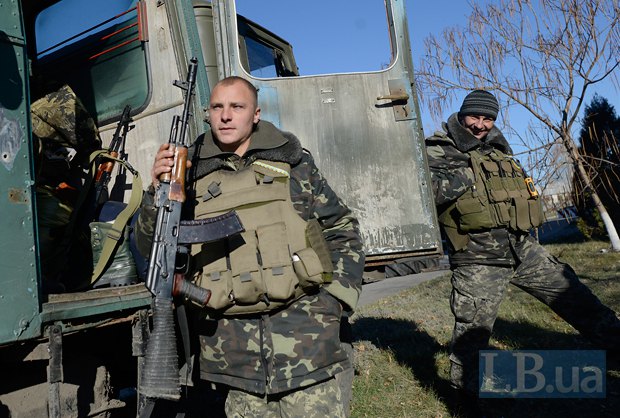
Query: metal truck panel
pixel 19 288
pixel 365 133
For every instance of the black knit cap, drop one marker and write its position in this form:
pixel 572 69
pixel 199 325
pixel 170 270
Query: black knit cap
pixel 480 103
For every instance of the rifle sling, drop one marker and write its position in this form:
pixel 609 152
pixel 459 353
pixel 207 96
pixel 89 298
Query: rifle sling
pixel 210 229
pixel 116 233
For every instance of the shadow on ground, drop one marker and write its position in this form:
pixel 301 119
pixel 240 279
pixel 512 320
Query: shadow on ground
pixel 417 350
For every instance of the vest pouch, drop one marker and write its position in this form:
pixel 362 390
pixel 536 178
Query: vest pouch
pixel 491 168
pixel 516 191
pixel 502 210
pixel 499 196
pixel 492 173
pixel 501 182
pixel 219 283
pixel 278 275
pixel 458 240
pixel 308 268
pixel 512 180
pixel 508 168
pixel 536 212
pixel 520 215
pixel 316 241
pixel 247 281
pixel 212 273
pixel 474 215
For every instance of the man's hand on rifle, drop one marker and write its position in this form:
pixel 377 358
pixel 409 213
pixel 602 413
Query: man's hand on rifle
pixel 164 161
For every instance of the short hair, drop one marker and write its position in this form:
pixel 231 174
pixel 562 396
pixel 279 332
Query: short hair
pixel 228 81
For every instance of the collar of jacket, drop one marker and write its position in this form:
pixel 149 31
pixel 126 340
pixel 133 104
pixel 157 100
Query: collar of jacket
pixel 466 142
pixel 267 143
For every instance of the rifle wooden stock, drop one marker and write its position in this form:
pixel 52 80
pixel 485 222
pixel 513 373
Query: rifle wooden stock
pixel 106 167
pixel 104 170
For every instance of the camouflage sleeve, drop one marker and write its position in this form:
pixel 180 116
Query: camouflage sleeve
pixel 451 174
pixel 314 198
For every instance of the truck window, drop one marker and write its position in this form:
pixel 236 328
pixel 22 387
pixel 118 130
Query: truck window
pixel 328 37
pixel 98 49
pixel 261 59
pixel 263 53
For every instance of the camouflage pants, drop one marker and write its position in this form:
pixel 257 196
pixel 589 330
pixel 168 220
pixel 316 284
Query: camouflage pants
pixel 316 401
pixel 477 291
pixel 345 377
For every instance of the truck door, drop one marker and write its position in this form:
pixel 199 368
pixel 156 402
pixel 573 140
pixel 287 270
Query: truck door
pixel 19 295
pixel 363 129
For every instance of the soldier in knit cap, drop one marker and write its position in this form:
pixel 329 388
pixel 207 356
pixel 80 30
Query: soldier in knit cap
pixel 486 207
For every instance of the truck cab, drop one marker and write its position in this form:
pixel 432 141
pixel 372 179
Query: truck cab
pixel 363 129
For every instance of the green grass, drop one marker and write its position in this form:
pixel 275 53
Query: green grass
pixel 401 346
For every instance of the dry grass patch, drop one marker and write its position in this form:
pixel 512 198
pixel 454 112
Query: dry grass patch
pixel 402 345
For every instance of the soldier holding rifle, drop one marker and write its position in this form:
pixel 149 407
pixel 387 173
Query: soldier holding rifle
pixel 270 331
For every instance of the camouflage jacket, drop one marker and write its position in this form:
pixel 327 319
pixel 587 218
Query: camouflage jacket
pixel 451 175
pixel 300 344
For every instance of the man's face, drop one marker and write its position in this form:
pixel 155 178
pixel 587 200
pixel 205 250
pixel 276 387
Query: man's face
pixel 233 113
pixel 478 126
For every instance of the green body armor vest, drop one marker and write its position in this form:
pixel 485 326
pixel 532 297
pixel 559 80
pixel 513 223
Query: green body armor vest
pixel 499 199
pixel 278 258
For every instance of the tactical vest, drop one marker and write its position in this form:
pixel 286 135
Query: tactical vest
pixel 278 258
pixel 500 198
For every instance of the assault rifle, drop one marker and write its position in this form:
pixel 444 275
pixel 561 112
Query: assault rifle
pixel 116 150
pixel 160 377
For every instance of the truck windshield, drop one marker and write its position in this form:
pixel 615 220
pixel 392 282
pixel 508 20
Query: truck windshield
pixel 98 49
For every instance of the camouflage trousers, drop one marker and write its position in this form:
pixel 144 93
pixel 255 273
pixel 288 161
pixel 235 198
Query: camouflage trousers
pixel 345 377
pixel 317 401
pixel 477 291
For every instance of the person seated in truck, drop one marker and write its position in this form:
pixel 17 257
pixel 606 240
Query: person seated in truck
pixel 64 136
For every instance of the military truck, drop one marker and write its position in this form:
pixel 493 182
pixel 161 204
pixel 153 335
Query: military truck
pixel 77 353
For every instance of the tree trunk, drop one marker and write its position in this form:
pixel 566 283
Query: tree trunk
pixel 609 225
pixel 585 178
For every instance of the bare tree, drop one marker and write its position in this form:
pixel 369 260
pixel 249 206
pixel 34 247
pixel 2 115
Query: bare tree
pixel 540 56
